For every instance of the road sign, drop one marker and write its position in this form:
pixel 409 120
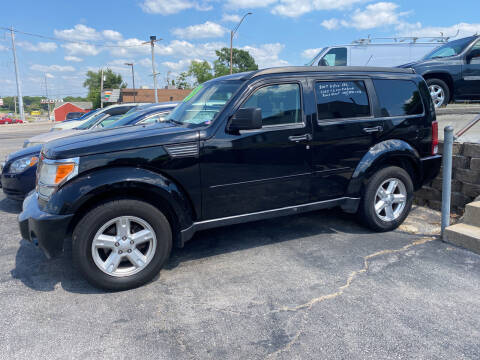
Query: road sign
pixel 1 102
pixel 111 95
pixel 50 101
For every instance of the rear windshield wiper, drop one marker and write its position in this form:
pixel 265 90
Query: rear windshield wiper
pixel 173 121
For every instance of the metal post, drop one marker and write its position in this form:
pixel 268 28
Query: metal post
pixel 133 80
pixel 446 176
pixel 152 45
pixel 17 77
pixel 46 95
pixel 231 52
pixel 101 88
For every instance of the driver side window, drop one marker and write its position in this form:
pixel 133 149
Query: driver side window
pixel 280 104
pixel 334 57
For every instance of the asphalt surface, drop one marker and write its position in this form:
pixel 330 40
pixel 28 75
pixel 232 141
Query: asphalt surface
pixel 311 286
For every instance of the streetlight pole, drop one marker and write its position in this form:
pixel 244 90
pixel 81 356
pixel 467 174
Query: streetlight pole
pixel 232 34
pixel 17 77
pixel 133 81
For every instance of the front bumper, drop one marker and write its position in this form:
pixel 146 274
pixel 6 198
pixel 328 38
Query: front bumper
pixel 430 168
pixel 47 231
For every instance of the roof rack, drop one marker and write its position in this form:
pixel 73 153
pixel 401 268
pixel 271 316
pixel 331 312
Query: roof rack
pixel 325 69
pixel 403 39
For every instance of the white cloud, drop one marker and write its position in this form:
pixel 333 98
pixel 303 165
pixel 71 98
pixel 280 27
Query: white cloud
pixel 52 68
pixel 3 48
pixel 331 24
pixel 185 49
pixel 145 62
pixel 111 35
pixel 50 76
pixel 79 32
pixel 310 53
pixel 73 58
pixel 201 31
pixel 180 65
pixel 373 16
pixel 131 48
pixel 267 55
pixel 81 49
pixel 231 18
pixel 168 7
pixel 38 47
pixel 464 29
pixel 248 4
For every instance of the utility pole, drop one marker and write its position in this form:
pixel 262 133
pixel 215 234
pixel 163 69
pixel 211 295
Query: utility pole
pixel 133 81
pixel 153 39
pixel 15 104
pixel 101 88
pixel 17 77
pixel 46 95
pixel 232 34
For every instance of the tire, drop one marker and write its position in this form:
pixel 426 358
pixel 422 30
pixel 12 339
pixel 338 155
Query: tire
pixel 372 195
pixel 439 91
pixel 114 263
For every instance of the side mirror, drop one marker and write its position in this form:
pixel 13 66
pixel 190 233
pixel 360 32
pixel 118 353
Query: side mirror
pixel 473 54
pixel 245 119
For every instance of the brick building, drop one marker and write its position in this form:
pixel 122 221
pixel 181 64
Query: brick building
pixel 148 95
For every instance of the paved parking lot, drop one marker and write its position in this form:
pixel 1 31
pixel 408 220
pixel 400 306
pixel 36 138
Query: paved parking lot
pixel 311 286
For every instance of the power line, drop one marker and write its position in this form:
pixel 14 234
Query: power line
pixel 70 41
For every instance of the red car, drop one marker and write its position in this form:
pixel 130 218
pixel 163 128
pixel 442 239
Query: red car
pixel 6 120
pixel 17 121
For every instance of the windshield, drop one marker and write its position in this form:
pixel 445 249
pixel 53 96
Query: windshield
pixel 89 123
pixel 132 118
pixel 204 103
pixel 451 48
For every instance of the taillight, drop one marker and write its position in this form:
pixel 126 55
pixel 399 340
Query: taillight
pixel 434 137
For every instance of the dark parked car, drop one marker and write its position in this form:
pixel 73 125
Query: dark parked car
pixel 74 115
pixel 452 71
pixel 19 170
pixel 239 148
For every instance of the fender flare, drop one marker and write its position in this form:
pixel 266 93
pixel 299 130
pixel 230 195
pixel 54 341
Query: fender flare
pixel 378 154
pixel 122 180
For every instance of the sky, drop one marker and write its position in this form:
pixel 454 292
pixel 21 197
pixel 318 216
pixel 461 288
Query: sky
pixel 61 40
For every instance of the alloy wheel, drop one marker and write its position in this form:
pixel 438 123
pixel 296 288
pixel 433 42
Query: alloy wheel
pixel 390 199
pixel 438 95
pixel 124 246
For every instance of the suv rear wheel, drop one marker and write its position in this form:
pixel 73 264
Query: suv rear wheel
pixel 387 199
pixel 439 92
pixel 122 244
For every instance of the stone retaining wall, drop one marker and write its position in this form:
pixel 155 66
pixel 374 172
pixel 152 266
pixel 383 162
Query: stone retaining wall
pixel 465 179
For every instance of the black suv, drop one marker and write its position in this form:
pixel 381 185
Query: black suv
pixel 452 71
pixel 239 148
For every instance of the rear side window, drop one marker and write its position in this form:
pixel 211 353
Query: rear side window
pixel 398 97
pixel 341 99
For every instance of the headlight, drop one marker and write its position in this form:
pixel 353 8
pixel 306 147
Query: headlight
pixel 23 164
pixel 53 173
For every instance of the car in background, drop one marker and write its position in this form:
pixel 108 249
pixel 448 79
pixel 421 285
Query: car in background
pixel 122 108
pixel 452 71
pixel 19 171
pixel 74 115
pixel 86 124
pixel 82 116
pixel 6 120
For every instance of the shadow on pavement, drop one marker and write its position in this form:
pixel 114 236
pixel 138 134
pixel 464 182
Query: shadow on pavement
pixel 41 274
pixel 10 206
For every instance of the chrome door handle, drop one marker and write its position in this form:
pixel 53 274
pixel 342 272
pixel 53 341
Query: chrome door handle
pixel 373 129
pixel 298 138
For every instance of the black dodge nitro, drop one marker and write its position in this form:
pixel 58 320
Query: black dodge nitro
pixel 239 148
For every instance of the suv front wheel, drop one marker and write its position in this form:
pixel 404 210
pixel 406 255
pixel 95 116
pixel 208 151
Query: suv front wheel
pixel 122 244
pixel 387 199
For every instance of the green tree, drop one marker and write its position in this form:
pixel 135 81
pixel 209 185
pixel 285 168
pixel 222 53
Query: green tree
pixel 93 80
pixel 74 98
pixel 182 82
pixel 201 71
pixel 242 61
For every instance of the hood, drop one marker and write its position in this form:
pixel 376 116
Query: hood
pixel 53 135
pixel 30 151
pixel 118 139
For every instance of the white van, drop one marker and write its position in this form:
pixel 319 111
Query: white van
pixel 366 52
